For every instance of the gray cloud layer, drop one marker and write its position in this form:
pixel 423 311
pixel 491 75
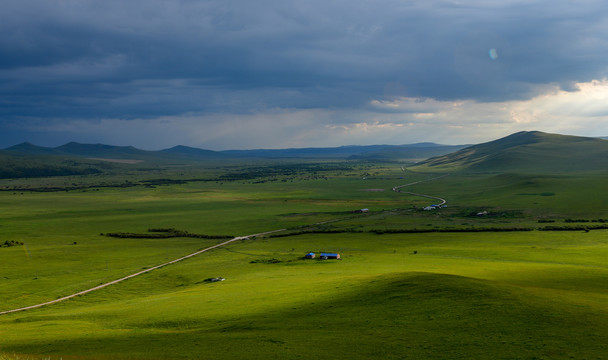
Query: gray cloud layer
pixel 146 59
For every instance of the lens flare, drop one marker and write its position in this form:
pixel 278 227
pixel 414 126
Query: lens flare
pixel 493 54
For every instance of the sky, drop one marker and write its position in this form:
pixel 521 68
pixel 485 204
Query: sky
pixel 243 74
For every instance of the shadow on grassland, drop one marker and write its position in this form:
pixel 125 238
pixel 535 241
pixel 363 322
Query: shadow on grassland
pixel 405 315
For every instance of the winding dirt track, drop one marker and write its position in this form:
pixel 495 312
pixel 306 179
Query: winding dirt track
pixel 442 201
pixel 135 274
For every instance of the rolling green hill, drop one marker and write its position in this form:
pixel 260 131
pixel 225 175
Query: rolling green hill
pixel 527 151
pixel 481 297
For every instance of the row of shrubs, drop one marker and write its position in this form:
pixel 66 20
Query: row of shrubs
pixel 316 231
pixel 8 243
pixel 480 229
pixel 494 229
pixel 573 227
pixel 585 220
pixel 446 230
pixel 165 234
pixel 265 261
pixel 575 221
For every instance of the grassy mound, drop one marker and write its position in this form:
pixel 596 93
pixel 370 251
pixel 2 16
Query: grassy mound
pixel 399 316
pixel 530 151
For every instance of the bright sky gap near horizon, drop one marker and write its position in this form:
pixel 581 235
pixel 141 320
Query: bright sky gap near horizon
pixel 234 74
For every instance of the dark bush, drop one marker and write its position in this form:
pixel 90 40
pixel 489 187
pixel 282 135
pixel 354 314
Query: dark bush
pixel 165 234
pixel 574 228
pixel 10 243
pixel 448 230
pixel 265 261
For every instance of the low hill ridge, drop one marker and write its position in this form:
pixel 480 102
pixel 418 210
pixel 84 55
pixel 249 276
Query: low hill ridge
pixel 29 148
pixel 99 150
pixel 192 152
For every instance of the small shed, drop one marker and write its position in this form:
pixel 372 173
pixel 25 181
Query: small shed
pixel 326 256
pixel 310 255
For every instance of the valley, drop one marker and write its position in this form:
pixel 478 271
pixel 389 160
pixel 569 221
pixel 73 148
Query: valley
pixel 513 267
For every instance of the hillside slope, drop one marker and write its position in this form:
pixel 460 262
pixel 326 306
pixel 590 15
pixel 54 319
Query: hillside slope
pixel 529 151
pixel 24 166
pixel 408 152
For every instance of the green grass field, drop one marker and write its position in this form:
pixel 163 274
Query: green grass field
pixel 488 295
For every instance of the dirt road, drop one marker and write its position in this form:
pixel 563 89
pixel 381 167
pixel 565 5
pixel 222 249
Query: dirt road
pixel 135 274
pixel 396 189
pixel 442 201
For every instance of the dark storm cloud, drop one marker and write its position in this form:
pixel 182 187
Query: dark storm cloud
pixel 140 59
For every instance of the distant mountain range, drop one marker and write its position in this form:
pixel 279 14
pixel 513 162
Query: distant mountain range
pixel 74 149
pixel 527 151
pixel 376 152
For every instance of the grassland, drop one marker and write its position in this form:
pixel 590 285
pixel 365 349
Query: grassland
pixel 507 295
